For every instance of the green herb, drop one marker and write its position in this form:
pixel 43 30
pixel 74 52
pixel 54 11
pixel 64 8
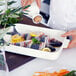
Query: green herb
pixel 35 41
pixel 72 73
pixel 9 3
pixel 11 15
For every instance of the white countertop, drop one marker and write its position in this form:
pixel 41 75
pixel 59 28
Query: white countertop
pixel 67 58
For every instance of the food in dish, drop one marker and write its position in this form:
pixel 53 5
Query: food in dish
pixel 36 40
pixel 35 46
pixel 53 49
pixel 62 72
pixel 16 39
pixel 46 49
pixel 55 43
pixel 33 34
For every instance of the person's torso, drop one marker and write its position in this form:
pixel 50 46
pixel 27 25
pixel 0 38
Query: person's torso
pixel 63 14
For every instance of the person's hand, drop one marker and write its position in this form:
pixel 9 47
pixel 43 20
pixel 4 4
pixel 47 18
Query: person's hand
pixel 72 43
pixel 29 2
pixel 38 3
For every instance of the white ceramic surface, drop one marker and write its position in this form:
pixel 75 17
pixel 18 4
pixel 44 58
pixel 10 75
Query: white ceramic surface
pixel 21 28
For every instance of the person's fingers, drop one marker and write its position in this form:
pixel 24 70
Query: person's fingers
pixel 29 2
pixel 67 34
pixel 72 44
pixel 73 32
pixel 38 3
pixel 26 2
pixel 23 2
pixel 32 1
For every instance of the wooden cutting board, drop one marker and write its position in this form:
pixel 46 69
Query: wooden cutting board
pixel 15 60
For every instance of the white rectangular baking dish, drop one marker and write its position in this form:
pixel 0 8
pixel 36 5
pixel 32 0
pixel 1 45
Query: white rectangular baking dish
pixel 22 28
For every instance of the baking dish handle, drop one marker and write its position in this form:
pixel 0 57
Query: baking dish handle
pixel 66 43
